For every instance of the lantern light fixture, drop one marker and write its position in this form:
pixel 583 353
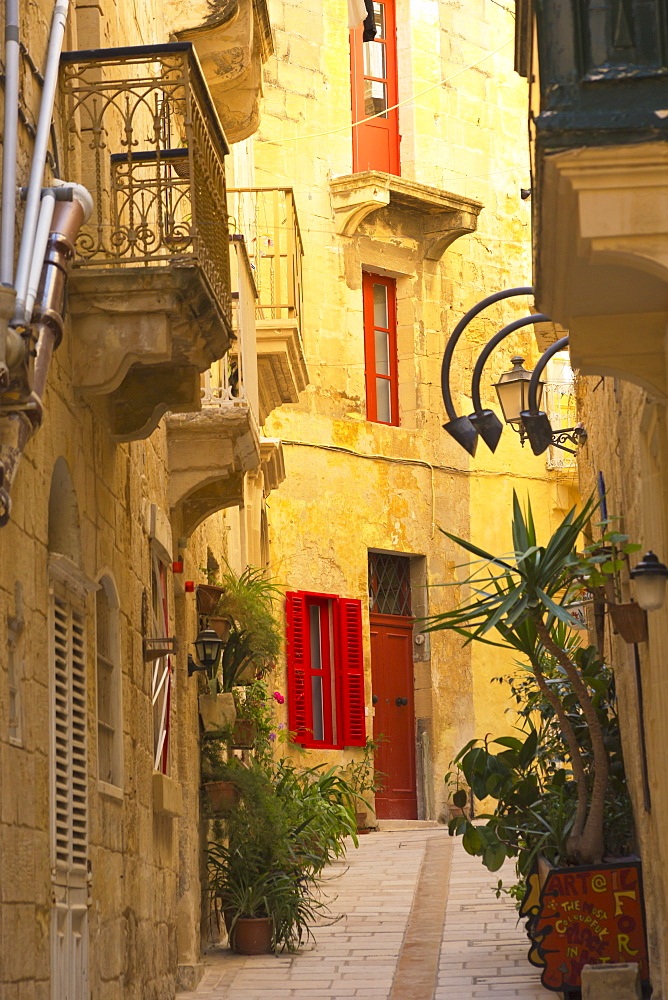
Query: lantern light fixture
pixel 649 578
pixel 208 647
pixel 512 390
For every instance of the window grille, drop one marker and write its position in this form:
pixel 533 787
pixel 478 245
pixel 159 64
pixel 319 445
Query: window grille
pixel 389 584
pixel 560 406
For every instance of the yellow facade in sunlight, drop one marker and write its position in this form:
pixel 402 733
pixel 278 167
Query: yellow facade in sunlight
pixel 355 485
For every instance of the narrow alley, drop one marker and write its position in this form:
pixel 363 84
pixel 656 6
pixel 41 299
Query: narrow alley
pixel 419 921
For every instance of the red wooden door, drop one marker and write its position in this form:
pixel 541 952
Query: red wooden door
pixel 375 92
pixel 394 717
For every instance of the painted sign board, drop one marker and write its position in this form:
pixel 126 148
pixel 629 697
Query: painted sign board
pixel 581 916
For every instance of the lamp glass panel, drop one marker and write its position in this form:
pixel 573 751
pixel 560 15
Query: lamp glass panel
pixel 511 397
pixel 650 590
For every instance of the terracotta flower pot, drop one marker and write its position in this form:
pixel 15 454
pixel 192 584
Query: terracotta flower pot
pixel 207 597
pixel 220 794
pixel 244 734
pixel 361 820
pixel 630 621
pixel 217 711
pixel 221 626
pixel 251 936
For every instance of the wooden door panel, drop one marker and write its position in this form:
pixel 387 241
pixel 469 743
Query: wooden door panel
pixel 392 679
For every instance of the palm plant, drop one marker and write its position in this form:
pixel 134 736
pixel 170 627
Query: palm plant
pixel 528 598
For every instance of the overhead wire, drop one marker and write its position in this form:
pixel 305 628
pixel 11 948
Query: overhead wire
pixel 382 114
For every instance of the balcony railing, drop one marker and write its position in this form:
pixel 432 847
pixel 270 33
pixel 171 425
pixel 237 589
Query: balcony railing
pixel 559 403
pixel 267 219
pixel 142 133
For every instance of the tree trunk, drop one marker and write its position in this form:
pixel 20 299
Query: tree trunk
pixel 585 846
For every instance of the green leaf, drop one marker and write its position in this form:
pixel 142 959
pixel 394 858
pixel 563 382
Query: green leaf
pixel 471 840
pixel 460 798
pixel 494 856
pixel 557 610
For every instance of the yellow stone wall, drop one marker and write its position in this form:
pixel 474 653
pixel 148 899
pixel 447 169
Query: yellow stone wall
pixel 353 485
pixel 145 909
pixel 627 443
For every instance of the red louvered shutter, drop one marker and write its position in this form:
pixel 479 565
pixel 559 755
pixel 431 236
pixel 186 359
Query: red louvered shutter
pixel 299 695
pixel 350 672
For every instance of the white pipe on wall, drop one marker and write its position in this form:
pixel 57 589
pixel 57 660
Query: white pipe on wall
pixel 33 197
pixel 10 142
pixel 41 239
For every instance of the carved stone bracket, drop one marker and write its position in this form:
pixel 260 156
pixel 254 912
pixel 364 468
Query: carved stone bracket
pixel 446 216
pixel 273 463
pixel 282 372
pixel 208 455
pixel 232 42
pixel 141 336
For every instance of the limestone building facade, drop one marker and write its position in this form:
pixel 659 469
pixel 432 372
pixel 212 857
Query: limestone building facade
pixel 600 201
pixel 407 220
pixel 150 412
pixel 248 370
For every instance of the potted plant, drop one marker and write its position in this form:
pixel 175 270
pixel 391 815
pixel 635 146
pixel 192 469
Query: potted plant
pixel 364 779
pixel 219 786
pixel 524 601
pixel 246 604
pixel 262 876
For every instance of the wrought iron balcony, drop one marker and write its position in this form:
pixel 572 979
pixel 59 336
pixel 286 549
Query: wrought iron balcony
pixel 151 283
pixel 267 220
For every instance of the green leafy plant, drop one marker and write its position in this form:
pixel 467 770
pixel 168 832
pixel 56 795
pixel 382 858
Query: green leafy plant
pixel 361 773
pixel 271 847
pixel 254 641
pixel 527 598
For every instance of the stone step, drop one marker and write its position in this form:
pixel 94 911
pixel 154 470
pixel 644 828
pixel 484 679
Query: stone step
pixel 394 825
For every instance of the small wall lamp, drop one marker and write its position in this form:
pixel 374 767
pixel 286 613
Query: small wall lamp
pixel 513 392
pixel 208 647
pixel 649 577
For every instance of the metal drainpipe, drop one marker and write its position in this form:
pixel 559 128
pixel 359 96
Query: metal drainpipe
pixel 17 426
pixel 34 193
pixel 10 141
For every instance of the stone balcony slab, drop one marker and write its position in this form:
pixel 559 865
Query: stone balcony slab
pixel 446 216
pixel 141 336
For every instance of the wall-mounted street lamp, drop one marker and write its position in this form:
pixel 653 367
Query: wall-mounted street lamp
pixel 649 578
pixel 515 388
pixel 512 390
pixel 208 647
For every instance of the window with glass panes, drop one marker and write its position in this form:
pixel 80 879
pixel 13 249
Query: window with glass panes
pixel 375 94
pixel 380 348
pixel 109 725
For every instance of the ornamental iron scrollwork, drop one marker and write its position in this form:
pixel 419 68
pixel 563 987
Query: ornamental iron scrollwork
pixel 142 134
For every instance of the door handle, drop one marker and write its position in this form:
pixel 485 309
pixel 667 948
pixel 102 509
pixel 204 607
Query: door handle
pixel 401 701
pixel 374 699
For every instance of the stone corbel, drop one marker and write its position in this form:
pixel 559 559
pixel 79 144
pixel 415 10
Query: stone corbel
pixel 442 230
pixel 351 207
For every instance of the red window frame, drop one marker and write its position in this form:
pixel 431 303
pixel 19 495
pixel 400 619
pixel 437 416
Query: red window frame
pixel 376 369
pixel 342 671
pixel 376 141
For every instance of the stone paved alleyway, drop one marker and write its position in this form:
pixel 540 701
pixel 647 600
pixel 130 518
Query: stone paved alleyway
pixel 392 942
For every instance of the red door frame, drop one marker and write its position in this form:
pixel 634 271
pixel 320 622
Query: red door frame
pixel 376 141
pixel 370 368
pixel 398 799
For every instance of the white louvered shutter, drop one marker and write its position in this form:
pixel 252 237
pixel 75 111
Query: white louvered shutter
pixel 70 791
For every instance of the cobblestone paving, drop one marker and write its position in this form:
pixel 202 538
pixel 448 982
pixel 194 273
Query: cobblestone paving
pixel 362 955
